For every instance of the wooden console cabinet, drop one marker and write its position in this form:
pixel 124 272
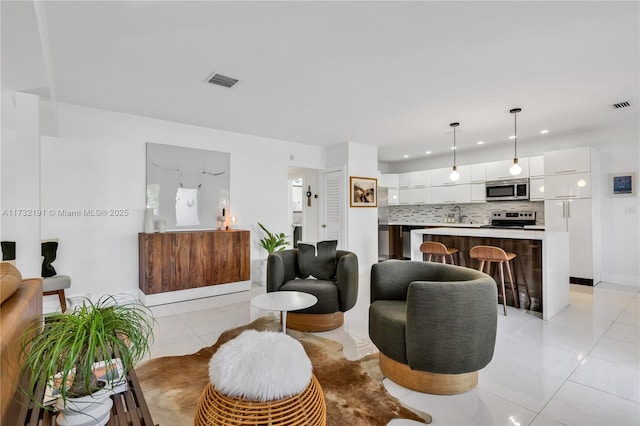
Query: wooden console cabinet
pixel 182 260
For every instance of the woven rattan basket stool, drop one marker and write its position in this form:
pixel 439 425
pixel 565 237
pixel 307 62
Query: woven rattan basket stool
pixel 261 378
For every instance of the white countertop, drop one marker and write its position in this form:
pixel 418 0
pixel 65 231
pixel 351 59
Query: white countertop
pixel 457 225
pixel 519 234
pixel 451 225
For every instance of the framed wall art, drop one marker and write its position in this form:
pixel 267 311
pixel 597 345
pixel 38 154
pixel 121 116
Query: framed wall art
pixel 363 192
pixel 622 184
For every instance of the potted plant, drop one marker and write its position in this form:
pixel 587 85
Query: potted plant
pixel 273 242
pixel 62 349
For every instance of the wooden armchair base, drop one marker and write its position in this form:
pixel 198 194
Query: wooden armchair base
pixel 314 322
pixel 422 381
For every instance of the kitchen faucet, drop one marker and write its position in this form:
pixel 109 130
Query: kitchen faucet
pixel 460 215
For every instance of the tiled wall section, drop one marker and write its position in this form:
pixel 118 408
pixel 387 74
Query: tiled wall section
pixel 474 212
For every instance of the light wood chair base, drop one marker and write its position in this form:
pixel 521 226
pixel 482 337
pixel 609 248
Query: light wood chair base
pixel 314 322
pixel 422 381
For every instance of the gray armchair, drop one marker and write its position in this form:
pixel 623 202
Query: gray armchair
pixel 331 276
pixel 434 324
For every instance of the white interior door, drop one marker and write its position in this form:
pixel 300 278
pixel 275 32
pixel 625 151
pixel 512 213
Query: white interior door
pixel 332 225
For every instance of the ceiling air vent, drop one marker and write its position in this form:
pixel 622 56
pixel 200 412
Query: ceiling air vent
pixel 222 80
pixel 619 105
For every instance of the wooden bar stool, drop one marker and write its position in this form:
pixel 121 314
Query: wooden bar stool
pixel 491 254
pixel 434 248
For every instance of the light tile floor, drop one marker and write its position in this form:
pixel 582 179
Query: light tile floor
pixel 582 367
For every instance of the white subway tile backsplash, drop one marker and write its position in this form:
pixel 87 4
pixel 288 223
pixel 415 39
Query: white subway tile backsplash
pixel 474 212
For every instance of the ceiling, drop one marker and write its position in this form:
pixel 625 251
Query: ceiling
pixel 389 74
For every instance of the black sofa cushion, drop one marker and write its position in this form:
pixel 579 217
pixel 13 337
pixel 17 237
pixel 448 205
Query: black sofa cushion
pixel 8 250
pixel 49 250
pixel 321 266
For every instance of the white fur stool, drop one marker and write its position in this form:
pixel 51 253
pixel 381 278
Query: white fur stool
pixel 261 377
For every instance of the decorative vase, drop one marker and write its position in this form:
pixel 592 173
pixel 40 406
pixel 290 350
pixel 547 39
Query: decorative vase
pixel 149 224
pixel 89 410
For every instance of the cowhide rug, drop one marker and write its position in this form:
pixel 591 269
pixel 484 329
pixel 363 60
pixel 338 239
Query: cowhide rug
pixel 353 390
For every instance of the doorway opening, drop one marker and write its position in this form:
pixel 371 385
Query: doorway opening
pixel 304 205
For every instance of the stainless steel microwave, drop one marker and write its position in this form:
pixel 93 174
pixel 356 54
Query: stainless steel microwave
pixel 506 190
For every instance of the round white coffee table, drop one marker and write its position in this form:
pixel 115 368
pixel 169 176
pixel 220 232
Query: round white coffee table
pixel 284 301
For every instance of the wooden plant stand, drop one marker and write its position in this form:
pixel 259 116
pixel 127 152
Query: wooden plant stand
pixel 129 408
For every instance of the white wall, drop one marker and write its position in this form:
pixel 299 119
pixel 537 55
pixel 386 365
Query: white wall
pixel 7 185
pixel 362 230
pixel 619 152
pixel 27 184
pixel 98 162
pixel 7 167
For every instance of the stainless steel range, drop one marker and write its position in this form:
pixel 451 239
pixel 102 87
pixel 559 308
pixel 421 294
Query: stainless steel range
pixel 511 219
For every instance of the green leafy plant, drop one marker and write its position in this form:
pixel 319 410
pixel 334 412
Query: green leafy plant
pixel 273 242
pixel 68 345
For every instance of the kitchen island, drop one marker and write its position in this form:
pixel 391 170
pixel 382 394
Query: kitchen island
pixel 544 259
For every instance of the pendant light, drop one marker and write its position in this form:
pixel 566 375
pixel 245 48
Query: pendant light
pixel 515 169
pixel 454 176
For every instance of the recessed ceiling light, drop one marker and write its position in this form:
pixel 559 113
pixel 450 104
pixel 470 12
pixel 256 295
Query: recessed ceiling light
pixel 544 131
pixel 406 156
pixel 480 142
pixel 453 147
pixel 512 137
pixel 427 152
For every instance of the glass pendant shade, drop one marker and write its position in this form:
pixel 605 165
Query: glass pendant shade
pixel 515 169
pixel 454 176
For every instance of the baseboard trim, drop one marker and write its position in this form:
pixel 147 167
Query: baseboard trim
pixel 623 279
pixel 581 281
pixel 192 293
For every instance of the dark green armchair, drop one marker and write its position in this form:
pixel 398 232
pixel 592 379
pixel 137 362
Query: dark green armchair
pixel 434 324
pixel 331 276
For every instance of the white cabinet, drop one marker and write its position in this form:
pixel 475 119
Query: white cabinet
pixel 420 195
pixel 575 217
pixel 499 170
pixel 420 179
pixel 393 197
pixel 451 194
pixel 404 196
pixel 440 177
pixel 404 180
pixel 413 196
pixel 388 180
pixel 478 192
pixel 572 185
pixel 536 166
pixel 572 204
pixel 536 189
pixel 576 160
pixel 478 172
